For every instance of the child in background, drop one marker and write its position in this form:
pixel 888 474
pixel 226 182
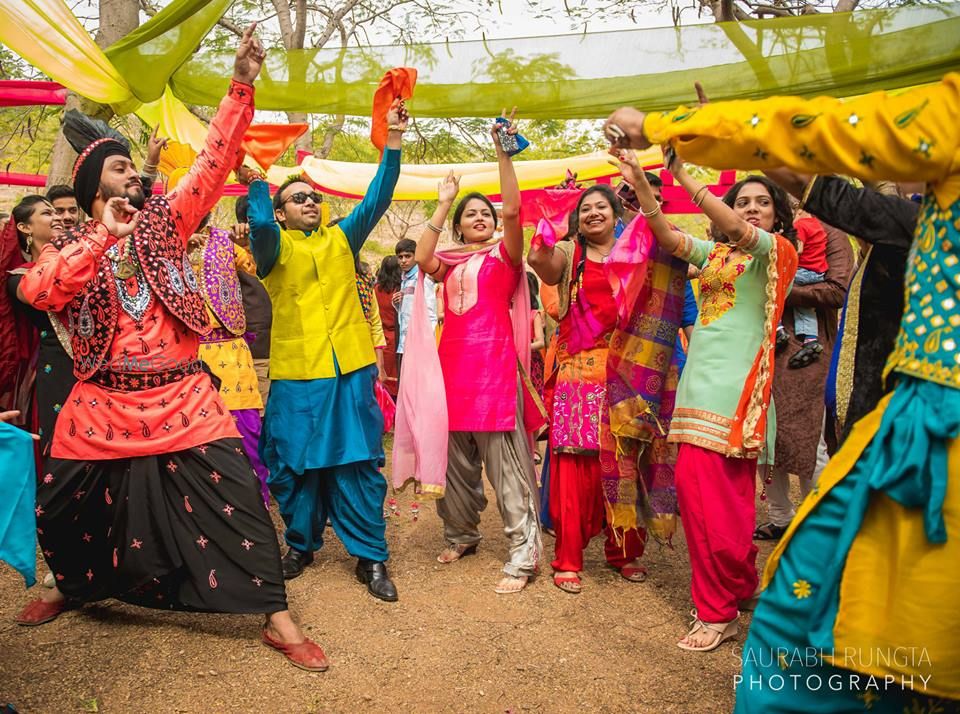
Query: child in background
pixel 812 243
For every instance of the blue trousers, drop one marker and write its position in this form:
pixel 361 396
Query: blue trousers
pixel 350 495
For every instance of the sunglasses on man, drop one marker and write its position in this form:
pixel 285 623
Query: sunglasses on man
pixel 300 198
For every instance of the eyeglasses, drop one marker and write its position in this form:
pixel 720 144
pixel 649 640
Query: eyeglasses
pixel 300 197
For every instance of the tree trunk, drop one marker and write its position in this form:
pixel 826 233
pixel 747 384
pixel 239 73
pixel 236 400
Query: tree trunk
pixel 117 19
pixel 304 141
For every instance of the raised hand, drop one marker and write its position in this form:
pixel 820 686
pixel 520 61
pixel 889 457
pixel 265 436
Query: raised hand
pixel 511 129
pixel 624 129
pixel 672 161
pixel 250 56
pixel 155 144
pixel 119 217
pixel 628 165
pixel 397 116
pixel 448 189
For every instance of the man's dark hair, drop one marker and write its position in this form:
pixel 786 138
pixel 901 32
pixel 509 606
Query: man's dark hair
pixel 60 191
pixel 277 201
pixel 241 208
pixel 405 245
pixel 653 179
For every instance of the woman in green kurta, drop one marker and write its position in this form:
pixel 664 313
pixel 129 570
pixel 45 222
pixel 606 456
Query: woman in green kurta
pixel 721 415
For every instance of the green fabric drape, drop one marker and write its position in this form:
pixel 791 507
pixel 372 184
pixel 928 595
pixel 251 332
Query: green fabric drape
pixel 148 56
pixel 586 76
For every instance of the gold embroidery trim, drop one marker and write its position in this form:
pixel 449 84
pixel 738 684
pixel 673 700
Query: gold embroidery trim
pixel 846 361
pixel 680 413
pixel 679 425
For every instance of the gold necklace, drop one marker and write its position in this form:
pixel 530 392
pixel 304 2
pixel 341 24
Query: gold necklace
pixel 125 268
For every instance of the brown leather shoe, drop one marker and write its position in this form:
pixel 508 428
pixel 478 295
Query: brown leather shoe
pixel 39 612
pixel 306 655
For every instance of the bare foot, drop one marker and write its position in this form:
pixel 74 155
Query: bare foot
pixel 281 627
pixel 707 636
pixel 52 595
pixel 454 551
pixel 568 581
pixel 509 585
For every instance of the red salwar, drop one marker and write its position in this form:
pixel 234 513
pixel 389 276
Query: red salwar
pixel 577 510
pixel 717 508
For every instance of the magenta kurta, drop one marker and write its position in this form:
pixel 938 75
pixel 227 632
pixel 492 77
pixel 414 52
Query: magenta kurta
pixel 477 354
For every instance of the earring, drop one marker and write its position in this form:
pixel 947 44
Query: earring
pixel 29 243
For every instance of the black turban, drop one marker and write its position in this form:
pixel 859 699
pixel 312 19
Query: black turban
pixel 95 141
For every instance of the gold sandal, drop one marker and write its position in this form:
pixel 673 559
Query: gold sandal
pixel 723 631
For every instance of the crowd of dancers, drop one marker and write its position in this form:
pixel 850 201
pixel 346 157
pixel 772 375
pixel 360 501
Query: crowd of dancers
pixel 181 374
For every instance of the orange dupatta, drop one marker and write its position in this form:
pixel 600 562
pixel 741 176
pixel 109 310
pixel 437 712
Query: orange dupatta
pixel 748 431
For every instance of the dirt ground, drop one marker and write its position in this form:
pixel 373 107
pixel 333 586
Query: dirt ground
pixel 449 645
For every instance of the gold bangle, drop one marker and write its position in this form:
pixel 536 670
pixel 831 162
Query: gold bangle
pixel 650 214
pixel 433 228
pixel 396 127
pixel 698 199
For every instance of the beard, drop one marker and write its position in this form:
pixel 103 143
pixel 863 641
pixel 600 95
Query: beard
pixel 132 191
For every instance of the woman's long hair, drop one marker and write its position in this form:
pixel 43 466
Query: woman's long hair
pixel 783 212
pixel 388 276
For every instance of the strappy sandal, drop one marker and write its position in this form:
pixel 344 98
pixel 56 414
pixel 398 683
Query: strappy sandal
pixel 460 549
pixel 806 355
pixel 569 583
pixel 512 591
pixel 722 632
pixel 769 531
pixel 633 573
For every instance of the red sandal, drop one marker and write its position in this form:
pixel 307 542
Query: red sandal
pixel 633 573
pixel 306 655
pixel 568 583
pixel 40 612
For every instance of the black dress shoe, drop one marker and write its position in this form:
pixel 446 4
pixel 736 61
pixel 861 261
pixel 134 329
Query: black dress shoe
pixel 294 562
pixel 374 575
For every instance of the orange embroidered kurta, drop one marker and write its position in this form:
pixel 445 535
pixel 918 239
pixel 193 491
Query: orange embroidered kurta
pixel 98 423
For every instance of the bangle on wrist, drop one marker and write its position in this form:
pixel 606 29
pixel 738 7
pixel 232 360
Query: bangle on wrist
pixel 433 228
pixel 650 214
pixel 396 127
pixel 699 197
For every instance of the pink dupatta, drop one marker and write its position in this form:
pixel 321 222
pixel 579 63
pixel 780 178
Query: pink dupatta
pixel 421 433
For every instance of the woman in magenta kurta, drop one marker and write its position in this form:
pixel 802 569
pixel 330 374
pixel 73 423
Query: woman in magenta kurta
pixel 476 348
pixel 483 350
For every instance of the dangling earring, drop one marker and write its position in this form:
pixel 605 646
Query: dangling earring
pixel 29 243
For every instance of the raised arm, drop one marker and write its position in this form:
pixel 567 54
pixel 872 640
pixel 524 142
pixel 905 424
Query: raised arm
pixel 548 263
pixel 510 194
pixel 376 201
pixel 427 245
pixel 264 230
pixel 202 187
pixel 907 137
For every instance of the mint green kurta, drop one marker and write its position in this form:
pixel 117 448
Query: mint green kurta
pixel 726 337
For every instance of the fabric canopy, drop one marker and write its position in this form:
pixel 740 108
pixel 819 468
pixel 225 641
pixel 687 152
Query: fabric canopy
pixel 563 77
pixel 25 93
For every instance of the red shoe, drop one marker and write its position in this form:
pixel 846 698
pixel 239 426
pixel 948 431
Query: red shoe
pixel 39 612
pixel 306 655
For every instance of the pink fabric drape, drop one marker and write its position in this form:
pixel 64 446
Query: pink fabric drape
pixel 421 435
pixel 27 93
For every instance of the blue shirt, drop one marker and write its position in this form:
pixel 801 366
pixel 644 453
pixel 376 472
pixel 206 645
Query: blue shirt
pixel 407 285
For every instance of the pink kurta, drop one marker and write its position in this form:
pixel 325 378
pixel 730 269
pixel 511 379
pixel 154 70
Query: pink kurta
pixel 477 354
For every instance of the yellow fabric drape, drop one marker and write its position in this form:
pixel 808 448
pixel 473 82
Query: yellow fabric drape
pixel 48 36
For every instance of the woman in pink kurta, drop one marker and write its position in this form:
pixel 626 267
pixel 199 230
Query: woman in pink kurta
pixel 484 349
pixel 482 397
